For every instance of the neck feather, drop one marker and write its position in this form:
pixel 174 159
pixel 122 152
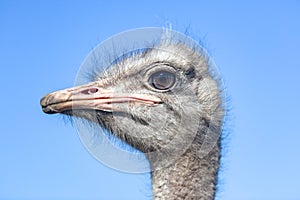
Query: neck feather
pixel 189 177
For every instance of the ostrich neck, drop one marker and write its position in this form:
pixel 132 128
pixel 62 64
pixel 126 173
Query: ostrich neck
pixel 190 177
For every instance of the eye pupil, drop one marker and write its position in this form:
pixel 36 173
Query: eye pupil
pixel 162 80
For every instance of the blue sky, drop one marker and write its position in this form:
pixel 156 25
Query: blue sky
pixel 255 44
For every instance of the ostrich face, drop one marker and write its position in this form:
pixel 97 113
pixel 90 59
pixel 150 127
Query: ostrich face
pixel 161 96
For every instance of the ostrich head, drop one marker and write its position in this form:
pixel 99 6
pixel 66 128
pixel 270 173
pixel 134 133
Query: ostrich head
pixel 163 101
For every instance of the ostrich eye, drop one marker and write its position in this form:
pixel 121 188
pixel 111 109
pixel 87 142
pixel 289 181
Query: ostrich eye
pixel 162 80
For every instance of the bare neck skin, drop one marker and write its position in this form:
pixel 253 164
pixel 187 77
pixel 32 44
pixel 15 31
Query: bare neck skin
pixel 190 177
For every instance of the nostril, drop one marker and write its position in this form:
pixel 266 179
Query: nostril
pixel 93 90
pixel 90 91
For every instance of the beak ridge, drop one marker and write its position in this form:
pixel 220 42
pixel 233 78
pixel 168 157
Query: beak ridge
pixel 91 97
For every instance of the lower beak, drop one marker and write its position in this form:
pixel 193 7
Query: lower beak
pixel 91 97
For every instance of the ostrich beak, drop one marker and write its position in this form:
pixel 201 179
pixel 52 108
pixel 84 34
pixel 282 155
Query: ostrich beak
pixel 91 97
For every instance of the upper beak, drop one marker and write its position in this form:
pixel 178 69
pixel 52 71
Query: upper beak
pixel 92 97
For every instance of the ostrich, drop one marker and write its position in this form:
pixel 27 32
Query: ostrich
pixel 165 102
